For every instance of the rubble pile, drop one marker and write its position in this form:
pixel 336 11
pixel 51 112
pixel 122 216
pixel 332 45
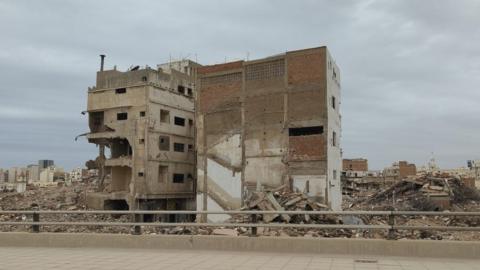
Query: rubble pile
pixel 63 197
pixel 287 201
pixel 281 199
pixel 425 193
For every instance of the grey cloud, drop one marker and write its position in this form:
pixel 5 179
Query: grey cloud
pixel 410 69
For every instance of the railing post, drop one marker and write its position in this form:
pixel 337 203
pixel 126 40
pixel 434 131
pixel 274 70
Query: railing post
pixel 137 230
pixel 254 221
pixel 391 223
pixel 36 218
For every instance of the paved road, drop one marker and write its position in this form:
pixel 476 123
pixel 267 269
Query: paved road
pixel 81 258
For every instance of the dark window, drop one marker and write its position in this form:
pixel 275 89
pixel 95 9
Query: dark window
pixel 120 90
pixel 304 131
pixel 178 147
pixel 178 178
pixel 189 91
pixel 333 102
pixel 141 141
pixel 122 116
pixel 144 78
pixel 181 89
pixel 164 143
pixel 190 122
pixel 334 139
pixel 142 114
pixel 190 147
pixel 179 121
pixel 164 116
pixel 96 121
pixel 140 174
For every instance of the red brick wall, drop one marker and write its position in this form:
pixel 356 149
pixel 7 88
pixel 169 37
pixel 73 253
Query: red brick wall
pixel 310 147
pixel 220 67
pixel 308 66
pixel 355 165
pixel 213 96
pixel 406 169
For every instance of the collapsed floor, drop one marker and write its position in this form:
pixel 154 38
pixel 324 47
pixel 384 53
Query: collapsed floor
pixel 419 194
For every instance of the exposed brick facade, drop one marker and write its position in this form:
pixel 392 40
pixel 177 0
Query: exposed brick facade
pixel 357 164
pixel 406 169
pixel 220 67
pixel 310 147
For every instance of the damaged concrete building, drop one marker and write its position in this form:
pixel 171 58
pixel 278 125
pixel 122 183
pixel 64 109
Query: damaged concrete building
pixel 399 170
pixel 142 120
pixel 266 123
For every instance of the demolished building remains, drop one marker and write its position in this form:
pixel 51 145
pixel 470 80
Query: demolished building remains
pixel 266 123
pixel 143 123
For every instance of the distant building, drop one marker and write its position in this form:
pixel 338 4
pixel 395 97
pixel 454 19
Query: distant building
pixel 78 174
pixel 357 167
pixel 45 163
pixel 400 170
pixel 474 166
pixel 2 176
pixel 12 175
pixel 46 177
pixel 33 173
pixel 21 175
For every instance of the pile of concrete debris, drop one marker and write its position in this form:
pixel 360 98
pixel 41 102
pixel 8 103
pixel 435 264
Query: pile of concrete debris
pixel 283 200
pixel 425 193
pixel 62 197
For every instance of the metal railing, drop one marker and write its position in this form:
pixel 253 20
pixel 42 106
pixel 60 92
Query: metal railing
pixel 253 224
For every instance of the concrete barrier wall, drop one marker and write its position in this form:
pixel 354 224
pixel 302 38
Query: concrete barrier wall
pixel 403 248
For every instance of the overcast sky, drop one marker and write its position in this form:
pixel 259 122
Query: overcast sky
pixel 410 69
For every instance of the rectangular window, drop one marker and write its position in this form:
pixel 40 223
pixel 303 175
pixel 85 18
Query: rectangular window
pixel 179 121
pixel 164 116
pixel 178 147
pixel 334 174
pixel 189 91
pixel 122 116
pixel 304 131
pixel 190 122
pixel 181 89
pixel 190 147
pixel 140 174
pixel 164 143
pixel 178 178
pixel 333 102
pixel 162 173
pixel 334 139
pixel 141 141
pixel 120 90
pixel 142 114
